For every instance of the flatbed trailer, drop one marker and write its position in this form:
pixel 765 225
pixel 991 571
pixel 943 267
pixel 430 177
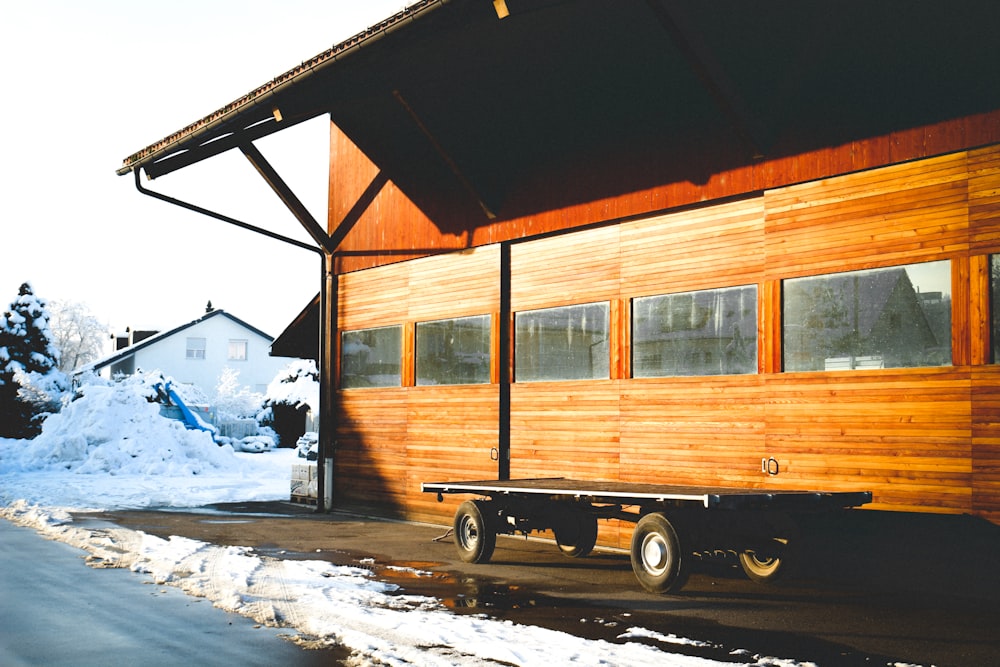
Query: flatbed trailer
pixel 671 522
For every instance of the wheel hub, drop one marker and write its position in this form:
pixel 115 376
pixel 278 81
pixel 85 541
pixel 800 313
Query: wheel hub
pixel 655 554
pixel 468 533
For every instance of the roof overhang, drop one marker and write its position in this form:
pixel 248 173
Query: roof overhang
pixel 475 116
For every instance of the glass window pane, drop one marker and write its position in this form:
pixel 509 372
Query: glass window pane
pixel 995 307
pixel 195 348
pixel 238 350
pixel 569 343
pixel 884 318
pixel 454 351
pixel 709 332
pixel 371 357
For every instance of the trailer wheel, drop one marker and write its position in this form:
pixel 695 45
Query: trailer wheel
pixel 764 565
pixel 576 532
pixel 656 554
pixel 475 536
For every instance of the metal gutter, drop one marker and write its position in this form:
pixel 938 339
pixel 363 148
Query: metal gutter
pixel 218 216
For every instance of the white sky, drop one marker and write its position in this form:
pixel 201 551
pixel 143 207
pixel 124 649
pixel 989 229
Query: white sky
pixel 87 84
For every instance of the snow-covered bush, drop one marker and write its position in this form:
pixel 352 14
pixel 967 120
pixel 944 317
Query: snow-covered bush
pixel 295 390
pixel 234 400
pixel 297 384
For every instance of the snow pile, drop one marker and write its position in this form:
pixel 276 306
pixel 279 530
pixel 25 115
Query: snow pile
pixel 110 449
pixel 115 428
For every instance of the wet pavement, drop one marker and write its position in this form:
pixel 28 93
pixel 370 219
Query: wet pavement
pixel 56 610
pixel 866 588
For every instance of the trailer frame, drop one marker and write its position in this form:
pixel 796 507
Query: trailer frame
pixel 672 522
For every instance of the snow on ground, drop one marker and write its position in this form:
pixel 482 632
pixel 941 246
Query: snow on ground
pixel 111 449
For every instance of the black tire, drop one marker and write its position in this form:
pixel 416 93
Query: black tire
pixel 475 535
pixel 764 565
pixel 656 554
pixel 576 532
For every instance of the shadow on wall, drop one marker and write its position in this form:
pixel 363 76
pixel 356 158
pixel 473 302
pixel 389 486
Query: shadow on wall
pixel 937 555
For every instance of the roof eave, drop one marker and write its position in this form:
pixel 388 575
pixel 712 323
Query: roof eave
pixel 258 113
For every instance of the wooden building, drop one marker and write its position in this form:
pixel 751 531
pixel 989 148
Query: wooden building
pixel 652 241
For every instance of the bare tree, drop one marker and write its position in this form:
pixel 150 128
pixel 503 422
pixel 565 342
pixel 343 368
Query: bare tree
pixel 77 333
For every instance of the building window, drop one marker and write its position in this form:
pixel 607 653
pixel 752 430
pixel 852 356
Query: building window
pixel 237 350
pixel 898 317
pixel 995 308
pixel 371 357
pixel 454 351
pixel 195 348
pixel 709 332
pixel 567 343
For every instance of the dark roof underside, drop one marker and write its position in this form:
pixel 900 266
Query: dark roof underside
pixel 469 113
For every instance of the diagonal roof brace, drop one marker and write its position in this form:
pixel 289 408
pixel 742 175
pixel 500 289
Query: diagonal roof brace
pixel 710 72
pixel 293 203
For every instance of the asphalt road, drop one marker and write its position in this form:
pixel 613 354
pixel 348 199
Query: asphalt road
pixel 867 588
pixel 55 610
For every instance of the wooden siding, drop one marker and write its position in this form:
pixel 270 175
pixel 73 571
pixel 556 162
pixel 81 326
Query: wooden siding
pixel 713 246
pixel 393 229
pixel 390 440
pixel 451 433
pixel 903 433
pixel 925 439
pixel 986 442
pixel 560 271
pixel 913 212
pixel 565 429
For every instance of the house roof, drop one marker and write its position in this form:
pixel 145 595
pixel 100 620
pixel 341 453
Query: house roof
pixel 473 116
pixel 126 352
pixel 301 337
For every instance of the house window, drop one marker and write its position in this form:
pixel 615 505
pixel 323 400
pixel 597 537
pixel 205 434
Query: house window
pixel 371 357
pixel 237 350
pixel 567 343
pixel 455 351
pixel 709 332
pixel 884 318
pixel 195 348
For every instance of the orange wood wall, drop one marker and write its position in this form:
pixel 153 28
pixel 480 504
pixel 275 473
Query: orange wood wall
pixel 393 229
pixel 923 439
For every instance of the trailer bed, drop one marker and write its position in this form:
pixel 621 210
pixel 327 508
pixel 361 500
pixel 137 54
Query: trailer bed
pixel 628 493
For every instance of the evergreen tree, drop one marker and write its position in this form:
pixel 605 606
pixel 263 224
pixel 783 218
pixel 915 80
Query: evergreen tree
pixel 27 353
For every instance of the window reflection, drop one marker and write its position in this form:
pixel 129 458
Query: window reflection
pixel 568 343
pixel 371 357
pixel 995 307
pixel 709 332
pixel 455 351
pixel 882 318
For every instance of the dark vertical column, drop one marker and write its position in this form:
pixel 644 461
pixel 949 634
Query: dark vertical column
pixel 327 390
pixel 506 363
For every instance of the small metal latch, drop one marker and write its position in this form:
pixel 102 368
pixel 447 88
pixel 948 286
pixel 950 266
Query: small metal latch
pixel 769 466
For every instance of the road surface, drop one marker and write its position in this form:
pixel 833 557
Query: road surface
pixel 55 610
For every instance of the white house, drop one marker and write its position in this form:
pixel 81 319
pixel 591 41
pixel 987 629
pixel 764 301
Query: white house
pixel 196 353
